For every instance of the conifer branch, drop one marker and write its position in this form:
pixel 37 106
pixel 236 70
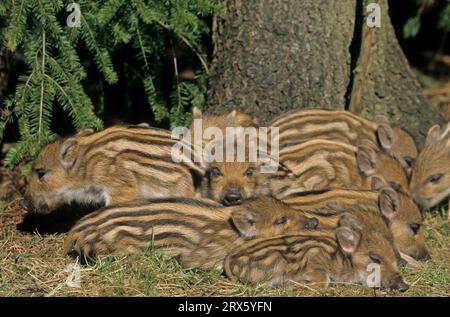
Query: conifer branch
pixel 56 75
pixel 141 45
pixel 199 56
pixel 64 93
pixel 110 77
pixel 27 82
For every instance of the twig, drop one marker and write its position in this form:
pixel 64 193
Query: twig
pixel 142 48
pixel 40 281
pixel 437 90
pixel 41 104
pixel 304 286
pixel 202 61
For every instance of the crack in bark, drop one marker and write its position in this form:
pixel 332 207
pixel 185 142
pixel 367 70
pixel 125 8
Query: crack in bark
pixel 355 49
pixel 361 72
pixel 274 56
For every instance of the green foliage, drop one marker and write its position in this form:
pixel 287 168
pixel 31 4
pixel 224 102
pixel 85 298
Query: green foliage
pixel 412 27
pixel 413 24
pixel 444 18
pixel 37 33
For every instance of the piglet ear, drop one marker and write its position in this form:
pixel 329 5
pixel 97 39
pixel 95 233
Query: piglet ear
pixel 366 160
pixel 68 153
pixel 196 113
pixel 351 221
pixel 245 222
pixel 386 136
pixel 446 133
pixel 86 132
pixel 433 134
pixel 388 202
pixel 271 164
pixel 232 114
pixel 376 183
pixel 348 239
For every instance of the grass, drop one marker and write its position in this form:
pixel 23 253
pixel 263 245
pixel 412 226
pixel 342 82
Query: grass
pixel 34 265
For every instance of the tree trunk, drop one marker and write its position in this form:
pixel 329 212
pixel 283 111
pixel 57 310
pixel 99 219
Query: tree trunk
pixel 274 56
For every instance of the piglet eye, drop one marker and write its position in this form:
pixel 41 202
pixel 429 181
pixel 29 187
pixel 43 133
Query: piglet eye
pixel 215 172
pixel 375 258
pixel 415 227
pixel 281 221
pixel 40 172
pixel 435 178
pixel 249 172
pixel 409 161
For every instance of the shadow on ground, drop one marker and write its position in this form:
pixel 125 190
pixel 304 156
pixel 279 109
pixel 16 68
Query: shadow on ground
pixel 58 221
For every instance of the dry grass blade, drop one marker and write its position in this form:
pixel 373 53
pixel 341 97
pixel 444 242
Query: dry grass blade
pixel 34 265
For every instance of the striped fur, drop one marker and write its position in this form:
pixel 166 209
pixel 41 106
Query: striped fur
pixel 320 257
pixel 279 260
pixel 232 182
pixel 402 215
pixel 199 232
pixel 319 164
pixel 232 119
pixel 116 165
pixel 430 180
pixel 337 125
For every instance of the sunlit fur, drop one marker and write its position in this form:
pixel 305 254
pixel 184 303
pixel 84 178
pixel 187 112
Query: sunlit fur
pixel 116 165
pixel 245 179
pixel 338 125
pixel 319 164
pixel 314 257
pixel 402 215
pixel 434 159
pixel 199 232
pixel 231 119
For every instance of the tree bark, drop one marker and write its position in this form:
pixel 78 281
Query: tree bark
pixel 384 84
pixel 274 56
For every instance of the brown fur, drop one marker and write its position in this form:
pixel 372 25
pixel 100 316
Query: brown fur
pixel 234 118
pixel 402 215
pixel 319 164
pixel 116 165
pixel 199 232
pixel 337 125
pixel 430 179
pixel 320 257
pixel 231 182
pixel 405 148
